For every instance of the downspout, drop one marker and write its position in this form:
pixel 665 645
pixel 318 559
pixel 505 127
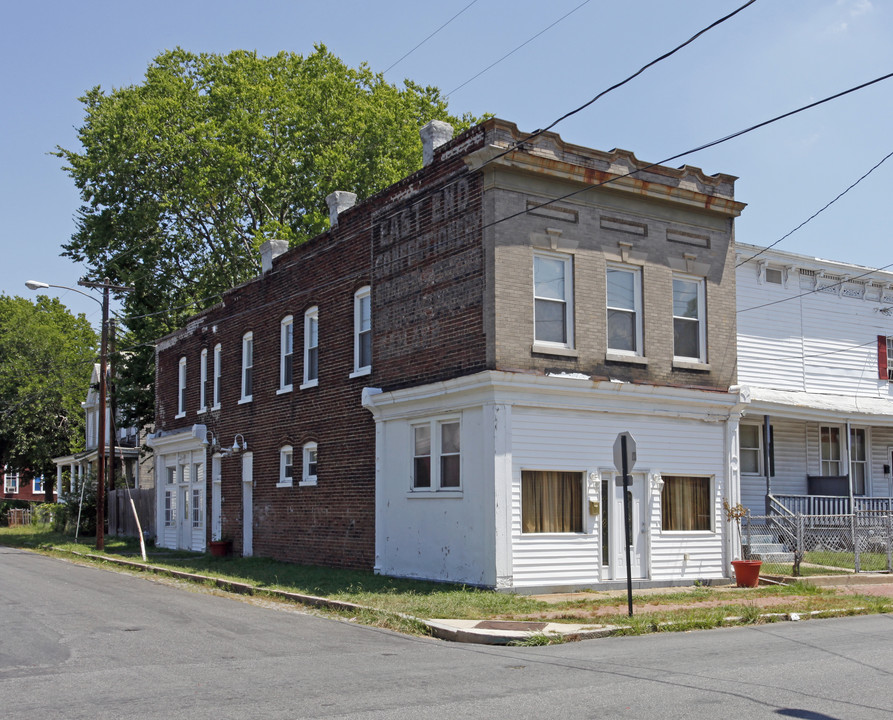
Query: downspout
pixel 767 434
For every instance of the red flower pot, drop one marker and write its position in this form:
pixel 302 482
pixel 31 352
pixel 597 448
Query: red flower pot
pixel 747 572
pixel 221 548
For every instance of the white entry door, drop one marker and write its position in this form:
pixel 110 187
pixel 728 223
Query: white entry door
pixel 247 505
pixel 184 521
pixel 638 561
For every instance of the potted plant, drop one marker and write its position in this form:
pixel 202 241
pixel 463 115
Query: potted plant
pixel 747 572
pixel 221 548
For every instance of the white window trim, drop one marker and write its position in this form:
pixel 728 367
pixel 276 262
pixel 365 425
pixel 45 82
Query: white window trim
pixel 436 441
pixel 867 490
pixel 287 324
pixel 842 461
pixel 364 293
pixel 181 386
pixel 7 488
pixel 546 345
pixel 636 272
pixel 760 452
pixel 247 354
pixel 310 316
pixel 203 382
pixel 306 478
pixel 284 451
pixel 218 375
pixel 684 361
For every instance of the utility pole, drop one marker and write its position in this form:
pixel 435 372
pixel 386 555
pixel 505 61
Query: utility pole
pixel 103 364
pixel 113 433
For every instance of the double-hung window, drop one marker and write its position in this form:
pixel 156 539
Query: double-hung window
pixel 830 450
pixel 362 323
pixel 551 501
pixel 286 353
pixel 750 444
pixel 624 310
pixel 286 466
pixel 10 481
pixel 203 382
pixel 247 367
pixel 308 475
pixel 181 388
pixel 553 305
pixel 686 504
pixel 858 460
pixel 689 326
pixel 37 485
pixel 218 369
pixel 311 348
pixel 436 455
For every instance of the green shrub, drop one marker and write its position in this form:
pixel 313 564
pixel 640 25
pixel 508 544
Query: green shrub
pixel 49 514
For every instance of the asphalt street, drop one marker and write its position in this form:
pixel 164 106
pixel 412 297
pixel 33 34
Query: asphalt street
pixel 82 642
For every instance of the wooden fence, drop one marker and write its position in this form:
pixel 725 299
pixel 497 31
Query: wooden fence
pixel 120 514
pixel 19 516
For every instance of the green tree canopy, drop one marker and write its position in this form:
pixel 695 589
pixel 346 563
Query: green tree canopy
pixel 46 357
pixel 184 176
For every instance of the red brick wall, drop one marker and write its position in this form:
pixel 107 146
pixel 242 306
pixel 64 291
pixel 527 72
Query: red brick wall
pixel 418 245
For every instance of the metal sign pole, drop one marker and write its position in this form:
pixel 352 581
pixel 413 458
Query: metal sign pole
pixel 628 524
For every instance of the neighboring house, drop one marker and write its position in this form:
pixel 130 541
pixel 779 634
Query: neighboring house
pixel 18 485
pixel 132 465
pixel 433 387
pixel 815 358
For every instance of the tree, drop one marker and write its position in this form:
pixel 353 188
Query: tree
pixel 184 176
pixel 46 357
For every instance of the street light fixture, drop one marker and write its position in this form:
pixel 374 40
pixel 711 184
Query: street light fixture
pixel 103 363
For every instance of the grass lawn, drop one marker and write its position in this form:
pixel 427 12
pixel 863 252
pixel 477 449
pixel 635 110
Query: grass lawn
pixel 700 607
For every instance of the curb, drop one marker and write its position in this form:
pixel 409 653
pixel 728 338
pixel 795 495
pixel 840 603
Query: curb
pixel 462 631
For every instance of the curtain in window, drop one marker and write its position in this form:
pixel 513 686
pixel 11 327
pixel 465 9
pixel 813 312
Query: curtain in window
pixel 685 504
pixel 551 501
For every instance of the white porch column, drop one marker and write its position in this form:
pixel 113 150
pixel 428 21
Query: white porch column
pixel 71 476
pixel 497 445
pixel 59 488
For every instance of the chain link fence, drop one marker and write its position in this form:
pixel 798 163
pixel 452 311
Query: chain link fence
pixel 819 544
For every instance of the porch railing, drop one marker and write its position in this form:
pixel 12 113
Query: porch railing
pixel 826 504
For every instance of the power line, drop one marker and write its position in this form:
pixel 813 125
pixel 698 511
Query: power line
pixel 397 62
pixel 818 212
pixel 694 37
pixel 529 40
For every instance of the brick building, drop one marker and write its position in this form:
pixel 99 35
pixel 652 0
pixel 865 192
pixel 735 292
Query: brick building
pixel 433 387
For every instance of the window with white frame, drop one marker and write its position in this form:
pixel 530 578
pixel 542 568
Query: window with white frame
pixel 311 347
pixel 553 294
pixel 203 381
pixel 686 504
pixel 218 370
pixel 750 445
pixel 286 353
pixel 436 456
pixel 624 289
pixel 286 466
pixel 247 367
pixel 362 323
pixel 170 502
pixel 689 327
pixel 181 388
pixel 308 474
pixel 551 501
pixel 198 508
pixel 830 450
pixel 10 481
pixel 37 485
pixel 890 358
pixel 858 459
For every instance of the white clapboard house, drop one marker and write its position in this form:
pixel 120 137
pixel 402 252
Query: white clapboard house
pixel 815 361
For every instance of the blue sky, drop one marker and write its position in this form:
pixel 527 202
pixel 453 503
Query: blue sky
pixel 771 58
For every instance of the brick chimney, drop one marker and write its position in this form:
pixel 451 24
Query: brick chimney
pixel 434 134
pixel 338 202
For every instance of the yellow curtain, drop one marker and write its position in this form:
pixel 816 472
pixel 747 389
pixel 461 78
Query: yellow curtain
pixel 551 501
pixel 685 504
